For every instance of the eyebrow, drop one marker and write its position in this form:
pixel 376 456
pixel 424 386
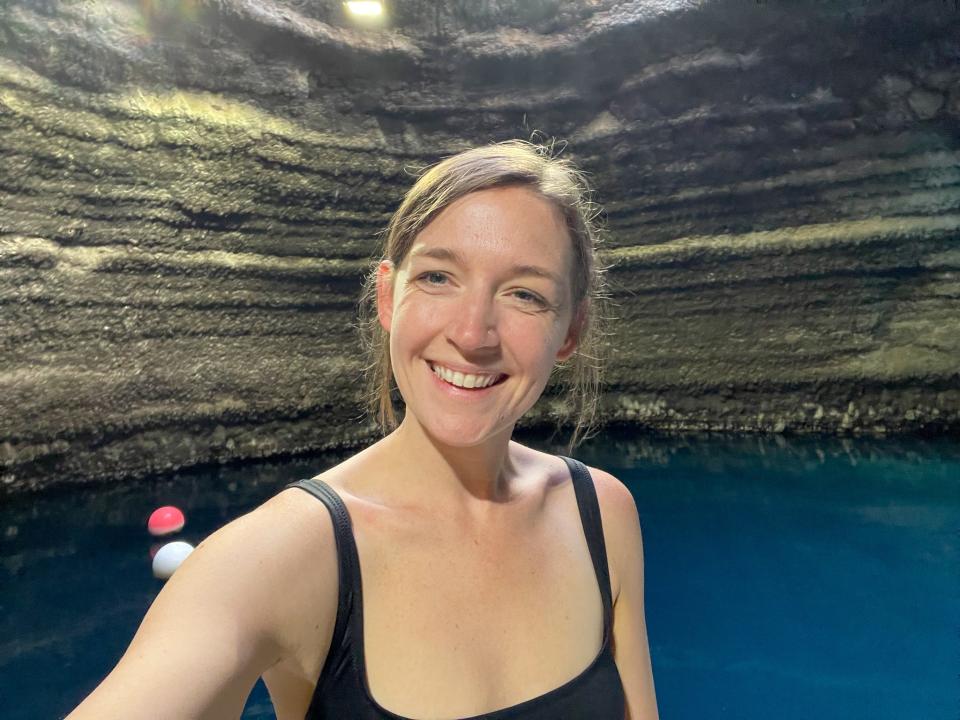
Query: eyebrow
pixel 442 253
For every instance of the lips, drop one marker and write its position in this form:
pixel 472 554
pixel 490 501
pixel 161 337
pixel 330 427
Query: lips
pixel 464 380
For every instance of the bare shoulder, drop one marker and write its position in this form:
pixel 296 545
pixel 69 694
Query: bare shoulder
pixel 618 510
pixel 613 495
pixel 237 606
pixel 270 567
pixel 301 547
pixel 297 520
pixel 265 548
pixel 621 529
pixel 621 526
pixel 278 537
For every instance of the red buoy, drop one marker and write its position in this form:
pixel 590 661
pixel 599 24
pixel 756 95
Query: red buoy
pixel 165 520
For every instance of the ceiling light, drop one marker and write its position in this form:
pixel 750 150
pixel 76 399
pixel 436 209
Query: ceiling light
pixel 365 8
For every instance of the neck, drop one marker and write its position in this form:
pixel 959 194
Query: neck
pixel 457 480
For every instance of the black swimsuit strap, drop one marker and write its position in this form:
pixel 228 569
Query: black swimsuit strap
pixel 348 561
pixel 593 529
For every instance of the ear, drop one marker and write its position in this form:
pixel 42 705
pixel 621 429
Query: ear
pixel 573 333
pixel 385 294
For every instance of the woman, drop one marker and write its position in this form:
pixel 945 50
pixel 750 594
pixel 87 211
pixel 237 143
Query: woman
pixel 490 587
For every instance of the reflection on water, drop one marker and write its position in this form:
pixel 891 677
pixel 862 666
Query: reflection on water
pixel 787 578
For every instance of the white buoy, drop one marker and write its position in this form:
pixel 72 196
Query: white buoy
pixel 169 557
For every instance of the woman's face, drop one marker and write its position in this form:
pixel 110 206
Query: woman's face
pixel 478 313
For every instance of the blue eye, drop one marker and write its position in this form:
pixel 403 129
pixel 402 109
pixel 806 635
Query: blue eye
pixel 433 278
pixel 527 297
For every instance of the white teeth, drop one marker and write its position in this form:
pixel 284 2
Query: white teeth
pixel 464 380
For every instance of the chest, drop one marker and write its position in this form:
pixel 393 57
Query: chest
pixel 459 623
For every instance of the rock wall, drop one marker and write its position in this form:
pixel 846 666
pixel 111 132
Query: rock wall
pixel 191 192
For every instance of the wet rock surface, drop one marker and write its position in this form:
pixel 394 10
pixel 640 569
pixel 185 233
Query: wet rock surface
pixel 191 194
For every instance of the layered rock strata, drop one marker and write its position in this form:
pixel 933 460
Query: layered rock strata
pixel 192 192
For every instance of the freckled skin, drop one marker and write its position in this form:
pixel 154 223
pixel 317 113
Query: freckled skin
pixel 458 299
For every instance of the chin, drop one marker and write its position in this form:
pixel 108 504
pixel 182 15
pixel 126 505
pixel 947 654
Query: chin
pixel 464 435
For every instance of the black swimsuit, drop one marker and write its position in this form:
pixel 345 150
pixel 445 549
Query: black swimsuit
pixel 342 691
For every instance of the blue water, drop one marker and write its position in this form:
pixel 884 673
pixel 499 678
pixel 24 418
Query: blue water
pixel 784 578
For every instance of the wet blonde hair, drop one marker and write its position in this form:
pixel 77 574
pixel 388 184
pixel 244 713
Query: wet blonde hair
pixel 510 163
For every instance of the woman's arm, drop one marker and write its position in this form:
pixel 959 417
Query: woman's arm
pixel 220 621
pixel 625 554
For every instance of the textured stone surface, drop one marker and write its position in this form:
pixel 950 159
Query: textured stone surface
pixel 191 191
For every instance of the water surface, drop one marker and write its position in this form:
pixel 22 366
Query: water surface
pixel 798 578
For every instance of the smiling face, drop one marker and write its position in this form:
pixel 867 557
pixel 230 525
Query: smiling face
pixel 478 312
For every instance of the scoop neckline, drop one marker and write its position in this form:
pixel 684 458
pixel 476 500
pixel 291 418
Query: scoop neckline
pixel 359 653
pixel 506 712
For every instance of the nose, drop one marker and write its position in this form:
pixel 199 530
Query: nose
pixel 474 325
